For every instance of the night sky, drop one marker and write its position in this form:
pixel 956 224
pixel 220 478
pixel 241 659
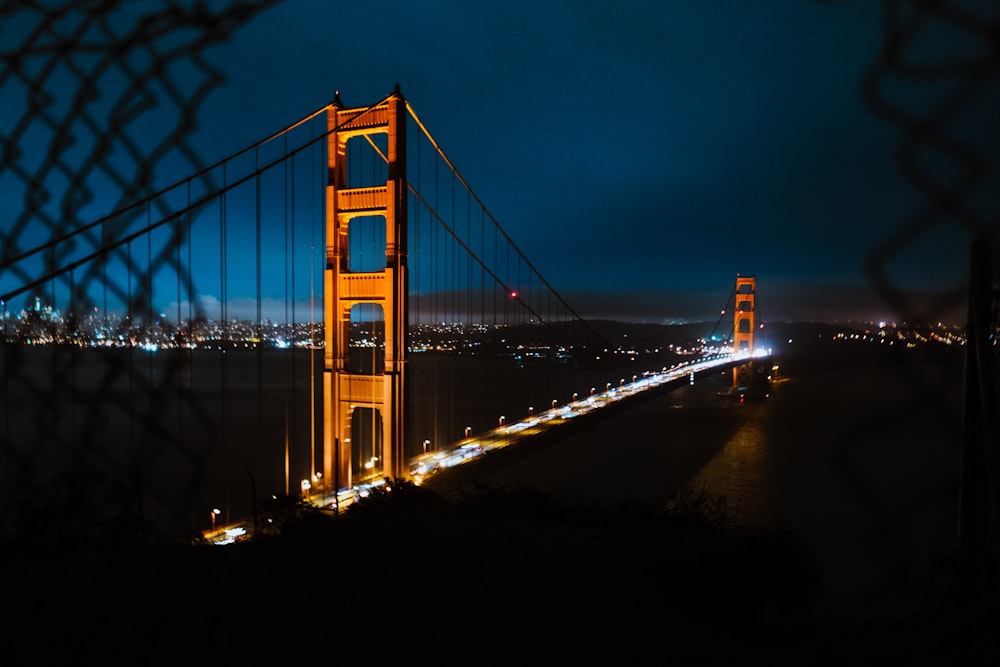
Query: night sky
pixel 643 148
pixel 642 153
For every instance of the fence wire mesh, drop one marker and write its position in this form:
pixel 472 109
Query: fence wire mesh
pixel 83 80
pixel 100 102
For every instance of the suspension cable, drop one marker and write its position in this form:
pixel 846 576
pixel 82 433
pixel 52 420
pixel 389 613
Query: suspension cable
pixel 510 241
pixel 729 301
pixel 227 186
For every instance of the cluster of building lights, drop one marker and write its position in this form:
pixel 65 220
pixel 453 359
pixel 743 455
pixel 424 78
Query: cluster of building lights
pixel 41 324
pixel 892 333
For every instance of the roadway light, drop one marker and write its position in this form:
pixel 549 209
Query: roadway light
pixel 426 442
pixel 215 512
pixel 502 418
pixel 531 410
pixel 553 404
pixel 468 429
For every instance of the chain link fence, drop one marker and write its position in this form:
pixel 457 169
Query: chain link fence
pixel 98 97
pixel 100 102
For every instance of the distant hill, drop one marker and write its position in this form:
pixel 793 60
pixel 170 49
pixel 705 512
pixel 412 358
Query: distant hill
pixel 792 302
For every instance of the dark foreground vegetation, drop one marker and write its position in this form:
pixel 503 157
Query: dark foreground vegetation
pixel 411 576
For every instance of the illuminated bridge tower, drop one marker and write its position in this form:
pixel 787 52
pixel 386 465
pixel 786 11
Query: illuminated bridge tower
pixel 347 390
pixel 744 325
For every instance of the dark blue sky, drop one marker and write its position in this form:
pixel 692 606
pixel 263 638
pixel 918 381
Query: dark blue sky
pixel 642 153
pixel 634 146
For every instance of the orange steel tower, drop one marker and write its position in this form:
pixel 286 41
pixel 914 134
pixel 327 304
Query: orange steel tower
pixel 344 391
pixel 744 325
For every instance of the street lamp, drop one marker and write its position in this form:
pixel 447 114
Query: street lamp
pixel 553 404
pixel 502 418
pixel 531 410
pixel 215 512
pixel 468 430
pixel 426 442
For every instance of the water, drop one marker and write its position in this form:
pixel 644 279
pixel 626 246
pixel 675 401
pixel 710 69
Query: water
pixel 858 452
pixel 199 430
pixel 194 429
pixel 855 450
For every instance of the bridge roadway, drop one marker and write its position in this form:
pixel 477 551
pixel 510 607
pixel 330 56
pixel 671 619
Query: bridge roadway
pixel 425 467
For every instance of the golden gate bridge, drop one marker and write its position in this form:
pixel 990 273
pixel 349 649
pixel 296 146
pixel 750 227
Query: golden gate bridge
pixel 327 308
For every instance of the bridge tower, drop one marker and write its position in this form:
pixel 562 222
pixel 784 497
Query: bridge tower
pixel 744 326
pixel 344 390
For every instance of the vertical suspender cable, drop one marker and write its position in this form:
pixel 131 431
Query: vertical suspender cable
pixel 259 352
pixel 225 336
pixel 73 354
pixel 288 327
pixel 289 194
pixel 312 314
pixel 454 297
pixel 377 262
pixel 496 268
pixel 482 268
pixel 104 274
pixel 468 279
pixel 191 296
pixel 178 236
pixel 130 347
pixel 150 382
pixel 435 291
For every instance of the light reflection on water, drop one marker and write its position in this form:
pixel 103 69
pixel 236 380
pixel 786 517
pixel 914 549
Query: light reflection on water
pixel 741 471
